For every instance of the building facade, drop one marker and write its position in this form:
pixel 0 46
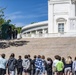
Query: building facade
pixel 61 16
pixel 61 21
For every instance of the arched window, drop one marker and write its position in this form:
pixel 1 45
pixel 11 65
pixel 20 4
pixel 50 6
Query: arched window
pixel 61 23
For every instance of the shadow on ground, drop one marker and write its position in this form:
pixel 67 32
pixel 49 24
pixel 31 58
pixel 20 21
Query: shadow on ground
pixel 16 43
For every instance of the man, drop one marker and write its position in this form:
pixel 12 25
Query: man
pixel 54 63
pixel 33 64
pixel 19 66
pixel 30 68
pixel 39 65
pixel 59 67
pixel 12 63
pixel 3 63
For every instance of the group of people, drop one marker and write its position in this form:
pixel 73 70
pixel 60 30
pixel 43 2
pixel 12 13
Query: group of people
pixel 12 34
pixel 37 66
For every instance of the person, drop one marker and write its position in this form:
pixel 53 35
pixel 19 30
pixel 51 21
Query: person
pixel 49 66
pixel 19 66
pixel 16 32
pixel 9 32
pixel 3 64
pixel 63 60
pixel 74 66
pixel 54 64
pixel 13 33
pixel 30 68
pixel 68 66
pixel 26 65
pixel 59 67
pixel 12 64
pixel 38 65
pixel 44 65
pixel 33 63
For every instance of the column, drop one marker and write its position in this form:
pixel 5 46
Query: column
pixel 50 18
pixel 72 10
pixel 43 31
pixel 36 32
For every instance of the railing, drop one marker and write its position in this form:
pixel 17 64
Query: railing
pixel 69 34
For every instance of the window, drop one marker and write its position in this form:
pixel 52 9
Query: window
pixel 61 27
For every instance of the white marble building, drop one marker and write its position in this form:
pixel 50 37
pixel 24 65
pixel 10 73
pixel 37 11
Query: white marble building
pixel 61 21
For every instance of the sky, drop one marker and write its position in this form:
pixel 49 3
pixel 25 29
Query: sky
pixel 24 12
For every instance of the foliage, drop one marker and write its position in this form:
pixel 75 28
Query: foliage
pixel 2 12
pixel 2 20
pixel 19 29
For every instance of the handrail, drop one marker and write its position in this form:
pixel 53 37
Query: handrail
pixel 40 35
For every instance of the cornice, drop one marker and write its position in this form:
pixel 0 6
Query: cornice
pixel 58 1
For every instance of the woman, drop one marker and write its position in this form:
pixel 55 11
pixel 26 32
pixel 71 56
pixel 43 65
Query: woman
pixel 68 66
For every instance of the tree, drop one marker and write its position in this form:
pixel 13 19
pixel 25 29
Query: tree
pixel 19 29
pixel 2 20
pixel 2 12
pixel 13 26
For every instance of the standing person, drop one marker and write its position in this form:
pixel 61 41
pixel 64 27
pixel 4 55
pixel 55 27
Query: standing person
pixel 3 64
pixel 9 32
pixel 26 65
pixel 16 32
pixel 44 65
pixel 68 66
pixel 13 33
pixel 59 67
pixel 30 68
pixel 19 66
pixel 33 63
pixel 54 64
pixel 63 60
pixel 12 64
pixel 49 66
pixel 38 65
pixel 74 66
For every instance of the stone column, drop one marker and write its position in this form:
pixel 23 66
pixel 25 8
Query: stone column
pixel 36 32
pixel 43 31
pixel 50 18
pixel 72 9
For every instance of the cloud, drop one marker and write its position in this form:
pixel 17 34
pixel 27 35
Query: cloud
pixel 22 18
pixel 18 15
pixel 14 15
pixel 36 16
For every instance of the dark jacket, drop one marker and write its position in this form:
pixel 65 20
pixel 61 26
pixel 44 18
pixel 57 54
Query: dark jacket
pixel 12 63
pixel 19 63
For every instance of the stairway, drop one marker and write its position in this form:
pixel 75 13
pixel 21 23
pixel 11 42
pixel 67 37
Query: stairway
pixel 49 47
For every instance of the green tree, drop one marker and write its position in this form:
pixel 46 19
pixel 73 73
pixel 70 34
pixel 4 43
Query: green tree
pixel 19 29
pixel 2 20
pixel 13 26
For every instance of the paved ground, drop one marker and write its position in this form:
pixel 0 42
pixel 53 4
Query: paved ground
pixel 43 46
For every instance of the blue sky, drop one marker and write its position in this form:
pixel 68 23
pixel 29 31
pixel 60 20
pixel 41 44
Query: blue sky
pixel 23 12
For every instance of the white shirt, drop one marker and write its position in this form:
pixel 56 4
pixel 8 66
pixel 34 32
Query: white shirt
pixel 3 63
pixel 55 62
